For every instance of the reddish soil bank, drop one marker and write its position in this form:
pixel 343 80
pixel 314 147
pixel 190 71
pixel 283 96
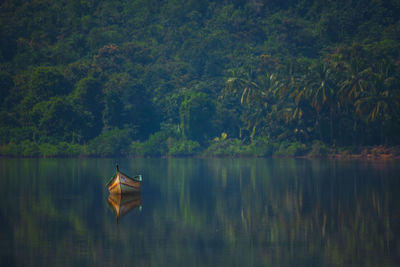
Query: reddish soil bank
pixel 373 152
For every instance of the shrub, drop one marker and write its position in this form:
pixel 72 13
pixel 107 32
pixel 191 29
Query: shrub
pixel 156 145
pixel 29 149
pixel 136 148
pixel 48 150
pixel 227 147
pixel 261 147
pixel 184 148
pixel 110 143
pixel 69 150
pixel 11 149
pixel 19 135
pixel 319 149
pixel 291 149
pixel 4 135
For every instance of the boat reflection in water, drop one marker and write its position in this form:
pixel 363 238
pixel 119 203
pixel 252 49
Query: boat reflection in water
pixel 122 204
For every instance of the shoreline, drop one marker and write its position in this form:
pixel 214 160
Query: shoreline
pixel 363 153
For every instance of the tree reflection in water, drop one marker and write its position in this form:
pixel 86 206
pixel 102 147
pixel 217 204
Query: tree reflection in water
pixel 202 212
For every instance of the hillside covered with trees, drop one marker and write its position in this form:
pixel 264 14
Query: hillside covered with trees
pixel 175 77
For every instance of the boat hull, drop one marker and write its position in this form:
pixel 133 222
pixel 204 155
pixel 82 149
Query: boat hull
pixel 121 184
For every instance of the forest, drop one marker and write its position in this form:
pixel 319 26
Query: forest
pixel 212 78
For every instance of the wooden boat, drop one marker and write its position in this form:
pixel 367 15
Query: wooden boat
pixel 122 204
pixel 121 183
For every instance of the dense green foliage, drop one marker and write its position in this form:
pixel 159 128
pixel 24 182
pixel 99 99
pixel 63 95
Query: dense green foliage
pixel 168 77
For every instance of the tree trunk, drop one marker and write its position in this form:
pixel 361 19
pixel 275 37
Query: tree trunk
pixel 331 125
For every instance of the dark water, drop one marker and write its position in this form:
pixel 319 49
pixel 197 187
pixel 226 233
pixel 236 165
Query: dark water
pixel 201 212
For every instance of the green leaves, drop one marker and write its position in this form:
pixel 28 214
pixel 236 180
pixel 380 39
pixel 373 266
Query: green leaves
pixel 58 119
pixel 276 70
pixel 46 82
pixel 196 113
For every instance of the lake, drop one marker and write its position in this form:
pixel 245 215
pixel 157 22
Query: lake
pixel 201 212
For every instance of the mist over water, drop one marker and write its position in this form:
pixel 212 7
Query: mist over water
pixel 240 212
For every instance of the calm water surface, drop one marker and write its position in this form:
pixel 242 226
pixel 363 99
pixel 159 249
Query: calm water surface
pixel 197 212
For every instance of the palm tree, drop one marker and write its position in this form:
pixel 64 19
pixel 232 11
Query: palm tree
pixel 355 82
pixel 254 93
pixel 353 85
pixel 381 100
pixel 320 90
pixel 243 83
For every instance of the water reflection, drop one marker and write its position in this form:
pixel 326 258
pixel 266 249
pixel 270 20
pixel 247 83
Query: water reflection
pixel 121 204
pixel 247 212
